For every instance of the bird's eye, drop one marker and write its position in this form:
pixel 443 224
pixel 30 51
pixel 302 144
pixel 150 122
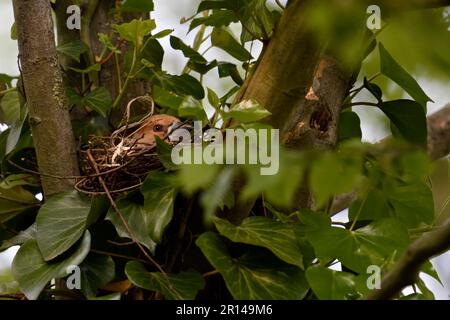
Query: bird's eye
pixel 157 128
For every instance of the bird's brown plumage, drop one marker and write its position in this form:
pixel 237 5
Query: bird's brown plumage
pixel 157 125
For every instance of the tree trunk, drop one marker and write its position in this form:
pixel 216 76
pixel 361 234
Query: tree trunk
pixel 45 96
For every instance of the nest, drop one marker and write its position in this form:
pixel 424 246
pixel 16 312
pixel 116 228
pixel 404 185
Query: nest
pixel 115 162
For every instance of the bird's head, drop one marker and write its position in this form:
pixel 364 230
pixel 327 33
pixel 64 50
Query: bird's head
pixel 160 125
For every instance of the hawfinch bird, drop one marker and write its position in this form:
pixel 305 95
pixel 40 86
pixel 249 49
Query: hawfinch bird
pixel 160 125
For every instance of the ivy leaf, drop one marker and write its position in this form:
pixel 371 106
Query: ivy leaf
pixel 33 272
pixel 99 100
pixel 251 276
pixel 278 237
pixel 413 204
pixel 159 197
pixel 136 217
pixel 224 40
pixel 196 61
pixel 107 42
pixel 73 49
pixel 14 201
pixel 218 194
pixel 191 107
pixel 246 111
pixel 280 188
pixel 10 108
pixel 166 98
pixel 349 126
pixel 183 85
pixel 61 222
pixel 332 285
pixel 135 31
pixel 96 271
pixel 153 52
pixel 193 177
pixel 373 89
pixel 13 32
pixel 137 6
pixel 227 69
pixel 373 244
pixel 390 68
pixel 218 18
pixel 409 118
pixel 182 286
pixel 164 151
pixel 20 238
pixel 327 172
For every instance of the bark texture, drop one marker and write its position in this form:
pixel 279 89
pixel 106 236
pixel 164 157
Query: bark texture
pixel 48 112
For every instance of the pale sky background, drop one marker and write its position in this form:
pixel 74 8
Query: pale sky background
pixel 167 15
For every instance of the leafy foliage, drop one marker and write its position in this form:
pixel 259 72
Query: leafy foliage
pixel 180 214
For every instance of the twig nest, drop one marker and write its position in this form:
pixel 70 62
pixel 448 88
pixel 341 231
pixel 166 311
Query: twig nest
pixel 125 158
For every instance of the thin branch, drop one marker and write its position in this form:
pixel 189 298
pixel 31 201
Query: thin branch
pixel 127 227
pixel 406 270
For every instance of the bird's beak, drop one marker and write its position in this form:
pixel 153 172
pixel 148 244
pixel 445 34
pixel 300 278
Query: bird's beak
pixel 178 125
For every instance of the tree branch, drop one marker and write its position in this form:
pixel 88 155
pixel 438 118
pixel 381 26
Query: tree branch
pixel 408 267
pixel 48 112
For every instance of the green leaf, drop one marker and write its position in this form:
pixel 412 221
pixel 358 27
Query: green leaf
pixel 182 286
pixel 373 244
pixel 96 271
pixel 15 132
pixel 413 204
pixel 279 189
pixel 14 201
pixel 10 107
pixel 153 52
pixel 349 126
pixel 61 222
pixel 137 6
pixel 246 111
pixel 252 276
pixel 331 285
pixel 373 89
pixel 409 118
pixel 7 79
pixel 13 33
pixel 20 238
pixel 218 18
pixel 224 40
pixel 73 49
pixel 196 61
pixel 159 196
pixel 213 99
pixel 184 85
pixel 136 217
pixel 192 178
pixel 278 237
pixel 99 100
pixel 191 107
pixel 164 151
pixel 390 68
pixel 135 31
pixel 227 69
pixel 166 98
pixel 327 172
pixel 33 273
pixel 371 206
pixel 218 194
pixel 107 42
